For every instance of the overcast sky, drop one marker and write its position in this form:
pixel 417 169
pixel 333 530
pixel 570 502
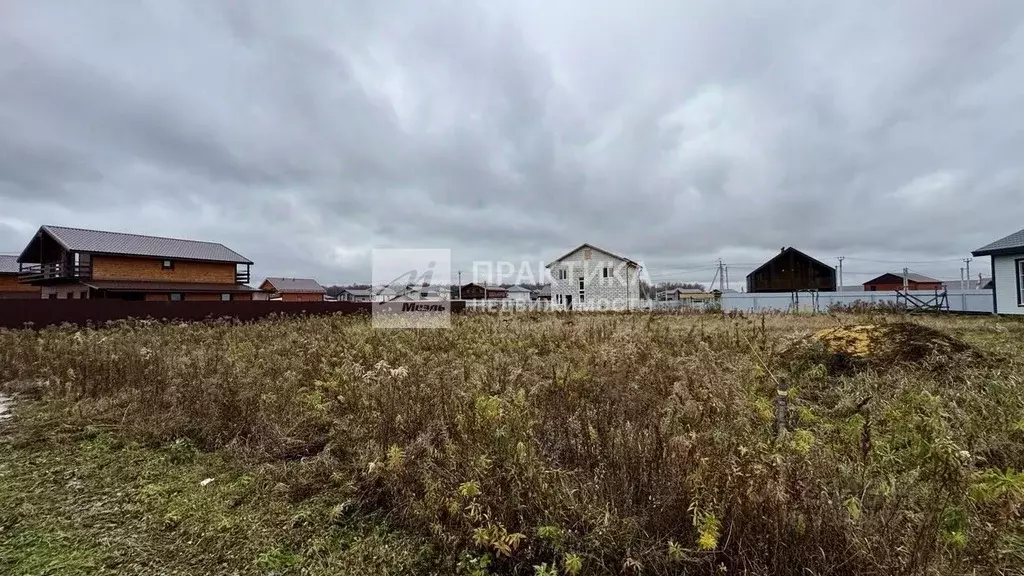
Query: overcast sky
pixel 303 134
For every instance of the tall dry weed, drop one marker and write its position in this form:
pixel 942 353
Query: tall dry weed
pixel 590 443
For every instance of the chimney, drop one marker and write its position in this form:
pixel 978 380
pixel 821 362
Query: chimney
pixel 783 249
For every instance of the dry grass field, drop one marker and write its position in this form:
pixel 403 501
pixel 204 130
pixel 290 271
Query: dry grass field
pixel 526 444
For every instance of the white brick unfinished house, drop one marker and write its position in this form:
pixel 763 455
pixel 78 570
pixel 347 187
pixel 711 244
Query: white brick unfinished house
pixel 589 278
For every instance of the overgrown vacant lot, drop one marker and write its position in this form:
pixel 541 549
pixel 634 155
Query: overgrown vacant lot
pixel 549 444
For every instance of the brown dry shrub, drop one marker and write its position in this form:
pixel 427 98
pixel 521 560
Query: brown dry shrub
pixel 628 442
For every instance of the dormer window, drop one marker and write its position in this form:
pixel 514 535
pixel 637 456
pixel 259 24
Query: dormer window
pixel 168 265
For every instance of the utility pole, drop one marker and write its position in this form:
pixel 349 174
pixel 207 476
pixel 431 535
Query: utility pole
pixel 727 285
pixel 968 262
pixel 905 279
pixel 962 278
pixel 721 275
pixel 841 258
pixel 460 284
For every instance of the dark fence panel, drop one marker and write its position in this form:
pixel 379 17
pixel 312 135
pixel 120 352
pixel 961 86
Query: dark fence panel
pixel 41 313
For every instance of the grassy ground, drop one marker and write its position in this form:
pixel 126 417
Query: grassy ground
pixel 534 443
pixel 87 500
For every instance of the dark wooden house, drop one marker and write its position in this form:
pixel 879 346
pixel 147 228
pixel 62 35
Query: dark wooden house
pixel 792 270
pixel 473 291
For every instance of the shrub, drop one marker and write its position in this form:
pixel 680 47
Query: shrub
pixel 585 443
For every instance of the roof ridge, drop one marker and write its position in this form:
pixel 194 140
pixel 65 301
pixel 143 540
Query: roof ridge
pixel 52 226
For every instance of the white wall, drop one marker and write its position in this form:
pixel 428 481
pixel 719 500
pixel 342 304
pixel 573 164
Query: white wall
pixel 958 300
pixel 615 292
pixel 1006 284
pixel 519 296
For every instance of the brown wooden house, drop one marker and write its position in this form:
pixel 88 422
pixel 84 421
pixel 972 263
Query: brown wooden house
pixel 76 263
pixel 294 289
pixel 892 281
pixel 792 270
pixel 473 291
pixel 11 288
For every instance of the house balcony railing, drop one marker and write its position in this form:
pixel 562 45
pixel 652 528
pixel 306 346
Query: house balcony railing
pixel 55 271
pixel 242 277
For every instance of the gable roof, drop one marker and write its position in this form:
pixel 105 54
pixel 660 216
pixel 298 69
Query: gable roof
pixel 8 264
pixel 121 243
pixel 1012 244
pixel 517 288
pixel 911 276
pixel 294 285
pixel 787 250
pixel 485 287
pixel 592 247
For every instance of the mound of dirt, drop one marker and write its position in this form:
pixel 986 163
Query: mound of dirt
pixel 878 346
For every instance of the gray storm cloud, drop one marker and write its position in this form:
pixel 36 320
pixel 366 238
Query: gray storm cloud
pixel 305 134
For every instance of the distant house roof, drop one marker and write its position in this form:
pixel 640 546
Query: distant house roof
pixel 485 286
pixel 1012 244
pixel 974 284
pixel 545 290
pixel 8 264
pixel 518 288
pixel 788 251
pixel 120 243
pixel 911 276
pixel 293 286
pixel 592 247
pixel 358 291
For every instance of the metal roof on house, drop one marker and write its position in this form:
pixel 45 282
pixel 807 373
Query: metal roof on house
pixel 517 288
pixel 911 276
pixel 545 290
pixel 592 247
pixel 1012 244
pixel 8 264
pixel 295 285
pixel 790 249
pixel 121 243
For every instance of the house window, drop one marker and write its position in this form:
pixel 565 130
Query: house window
pixel 177 297
pixel 558 299
pixel 605 271
pixel 1020 282
pixel 225 297
pixel 168 265
pixel 581 289
pixel 561 274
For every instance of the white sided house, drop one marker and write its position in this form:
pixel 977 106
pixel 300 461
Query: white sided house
pixel 1007 273
pixel 518 293
pixel 589 278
